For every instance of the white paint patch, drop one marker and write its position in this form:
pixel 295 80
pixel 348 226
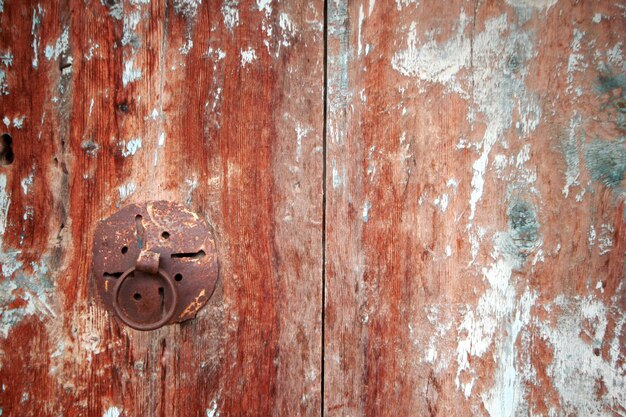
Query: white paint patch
pixel 247 56
pixel 264 6
pixel 5 202
pixel 192 183
pixel 508 391
pixel 60 47
pixel 37 13
pixel 130 74
pixel 571 154
pixel 288 31
pixel 132 147
pixel 575 61
pixel 126 190
pixel 6 59
pixel 33 290
pixel 336 177
pixel 131 20
pixel 575 370
pixel 361 19
pixel 366 209
pixel 403 3
pixel 495 92
pixel 219 54
pixel 434 63
pixel 597 18
pixel 442 202
pixel 615 56
pixel 112 412
pixel 186 48
pixel 605 239
pixel 212 412
pixel 535 4
pixel 4 85
pixel 18 122
pixel 27 184
pixel 188 8
pixel 90 53
pixel 301 133
pixel 231 14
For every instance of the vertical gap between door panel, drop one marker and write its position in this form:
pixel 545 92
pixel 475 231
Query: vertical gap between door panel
pixel 324 153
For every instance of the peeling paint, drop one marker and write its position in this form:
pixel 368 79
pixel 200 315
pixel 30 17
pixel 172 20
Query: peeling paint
pixel 496 91
pixel 130 74
pixel 301 133
pixel 366 209
pixel 18 121
pixel 188 8
pixel 212 412
pixel 535 4
pixel 231 14
pixel 131 147
pixel 61 46
pixel 576 370
pixel 247 56
pixel 112 412
pixel 27 183
pixel 126 190
pixel 4 85
pixel 570 147
pixel 129 37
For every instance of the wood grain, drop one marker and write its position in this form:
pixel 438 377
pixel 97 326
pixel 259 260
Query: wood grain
pixel 475 155
pixel 217 105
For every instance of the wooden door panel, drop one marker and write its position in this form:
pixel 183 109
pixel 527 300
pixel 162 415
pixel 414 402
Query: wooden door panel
pixel 217 105
pixel 475 208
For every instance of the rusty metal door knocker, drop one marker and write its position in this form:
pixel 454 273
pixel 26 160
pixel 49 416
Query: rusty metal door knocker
pixel 154 264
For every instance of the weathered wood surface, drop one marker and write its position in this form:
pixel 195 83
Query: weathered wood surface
pixel 475 208
pixel 214 104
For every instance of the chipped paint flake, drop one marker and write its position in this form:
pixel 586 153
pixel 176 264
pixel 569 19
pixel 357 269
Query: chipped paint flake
pixel 432 62
pixel 4 85
pixel 186 48
pixel 572 159
pixel 126 190
pixel 576 370
pixel 60 47
pixel 264 6
pixel 112 412
pixel 301 133
pixel 5 202
pixel 131 148
pixel 212 411
pixel 27 183
pixel 187 8
pixel 248 56
pixel 130 74
pixel 535 4
pixel 230 14
pixel 366 210
pixel 129 37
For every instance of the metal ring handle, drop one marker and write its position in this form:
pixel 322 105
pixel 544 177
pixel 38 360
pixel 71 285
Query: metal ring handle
pixel 134 324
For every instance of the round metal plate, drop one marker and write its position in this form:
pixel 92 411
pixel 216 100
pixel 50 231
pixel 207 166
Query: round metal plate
pixel 187 252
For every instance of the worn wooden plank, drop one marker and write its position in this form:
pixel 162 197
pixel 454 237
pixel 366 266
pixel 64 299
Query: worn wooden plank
pixel 214 104
pixel 475 208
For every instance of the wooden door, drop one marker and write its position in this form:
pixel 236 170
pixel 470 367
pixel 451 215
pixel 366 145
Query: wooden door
pixel 418 205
